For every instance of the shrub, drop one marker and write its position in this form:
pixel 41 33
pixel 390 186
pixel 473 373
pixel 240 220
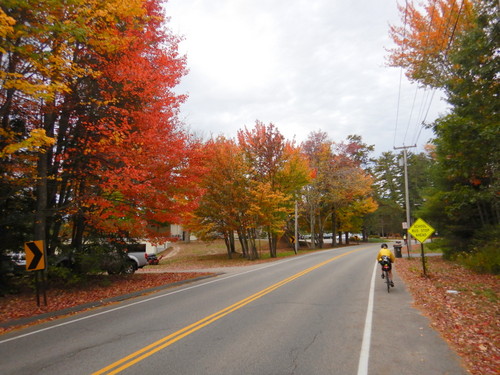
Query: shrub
pixel 481 254
pixel 484 254
pixel 63 276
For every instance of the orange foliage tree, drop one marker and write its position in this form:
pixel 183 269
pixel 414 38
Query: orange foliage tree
pixel 425 37
pixel 275 167
pixel 340 193
pixel 224 206
pixel 247 187
pixel 97 78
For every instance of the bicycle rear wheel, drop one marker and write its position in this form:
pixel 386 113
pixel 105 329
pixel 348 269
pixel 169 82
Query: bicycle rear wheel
pixel 387 281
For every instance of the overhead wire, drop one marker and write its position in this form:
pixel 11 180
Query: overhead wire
pixel 426 103
pixel 400 75
pixel 418 129
pixel 428 96
pixel 421 124
pixel 411 114
pixel 449 44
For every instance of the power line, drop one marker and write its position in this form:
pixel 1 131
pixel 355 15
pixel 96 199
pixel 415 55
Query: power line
pixel 449 44
pixel 426 101
pixel 411 115
pixel 400 75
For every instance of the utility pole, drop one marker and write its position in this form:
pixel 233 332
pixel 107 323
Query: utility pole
pixel 407 195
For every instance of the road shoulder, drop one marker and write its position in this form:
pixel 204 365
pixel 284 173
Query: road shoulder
pixel 402 340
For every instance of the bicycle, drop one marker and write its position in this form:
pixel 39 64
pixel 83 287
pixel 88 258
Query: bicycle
pixel 386 267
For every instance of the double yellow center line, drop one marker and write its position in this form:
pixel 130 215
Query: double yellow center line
pixel 151 349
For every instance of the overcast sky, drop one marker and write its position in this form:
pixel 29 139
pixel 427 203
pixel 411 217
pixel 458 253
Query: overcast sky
pixel 304 65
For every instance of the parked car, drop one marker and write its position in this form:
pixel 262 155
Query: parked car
pixel 19 259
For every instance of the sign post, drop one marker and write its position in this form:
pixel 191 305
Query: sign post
pixel 36 261
pixel 421 231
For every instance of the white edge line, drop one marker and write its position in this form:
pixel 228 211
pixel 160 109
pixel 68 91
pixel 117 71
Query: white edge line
pixel 364 356
pixel 152 298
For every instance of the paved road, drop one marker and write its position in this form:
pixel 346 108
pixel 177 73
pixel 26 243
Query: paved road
pixel 305 315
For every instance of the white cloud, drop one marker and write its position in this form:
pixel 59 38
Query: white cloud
pixel 302 65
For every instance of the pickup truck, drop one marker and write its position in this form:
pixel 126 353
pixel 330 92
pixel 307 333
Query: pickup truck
pixel 137 258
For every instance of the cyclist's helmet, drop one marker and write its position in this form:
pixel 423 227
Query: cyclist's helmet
pixel 384 246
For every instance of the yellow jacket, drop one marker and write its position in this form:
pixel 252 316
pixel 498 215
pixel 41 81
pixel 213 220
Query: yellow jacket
pixel 387 253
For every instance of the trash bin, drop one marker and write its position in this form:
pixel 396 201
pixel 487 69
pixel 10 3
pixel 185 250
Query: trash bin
pixel 397 250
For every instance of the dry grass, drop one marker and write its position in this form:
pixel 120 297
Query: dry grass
pixel 197 254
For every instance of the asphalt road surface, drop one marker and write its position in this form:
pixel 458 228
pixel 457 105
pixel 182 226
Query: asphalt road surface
pixel 323 313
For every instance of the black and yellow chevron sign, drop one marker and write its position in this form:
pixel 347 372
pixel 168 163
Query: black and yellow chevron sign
pixel 35 255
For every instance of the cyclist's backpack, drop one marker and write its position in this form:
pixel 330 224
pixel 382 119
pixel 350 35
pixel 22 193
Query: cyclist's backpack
pixel 385 261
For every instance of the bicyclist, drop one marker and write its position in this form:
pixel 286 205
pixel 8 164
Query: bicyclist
pixel 386 255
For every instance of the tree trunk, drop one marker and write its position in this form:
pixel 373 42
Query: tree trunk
pixel 253 245
pixel 40 230
pixel 334 229
pixel 243 243
pixel 227 241
pixel 78 229
pixel 272 239
pixel 231 241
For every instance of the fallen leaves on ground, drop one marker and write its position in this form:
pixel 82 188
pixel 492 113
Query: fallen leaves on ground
pixel 96 288
pixel 462 306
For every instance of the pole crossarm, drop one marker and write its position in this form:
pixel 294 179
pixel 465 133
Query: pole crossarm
pixel 404 147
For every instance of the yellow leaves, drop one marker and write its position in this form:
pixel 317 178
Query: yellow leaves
pixel 106 17
pixel 37 141
pixel 295 172
pixel 52 79
pixel 268 206
pixel 115 138
pixel 6 28
pixel 113 10
pixel 47 47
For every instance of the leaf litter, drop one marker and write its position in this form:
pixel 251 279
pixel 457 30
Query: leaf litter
pixel 468 317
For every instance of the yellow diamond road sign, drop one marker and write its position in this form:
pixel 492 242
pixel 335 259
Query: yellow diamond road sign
pixel 421 230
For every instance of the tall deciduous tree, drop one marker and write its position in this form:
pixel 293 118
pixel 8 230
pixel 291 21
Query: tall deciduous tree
pixel 465 200
pixel 246 189
pixel 224 207
pixel 350 195
pixel 425 37
pixel 277 168
pixel 340 193
pixel 98 78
